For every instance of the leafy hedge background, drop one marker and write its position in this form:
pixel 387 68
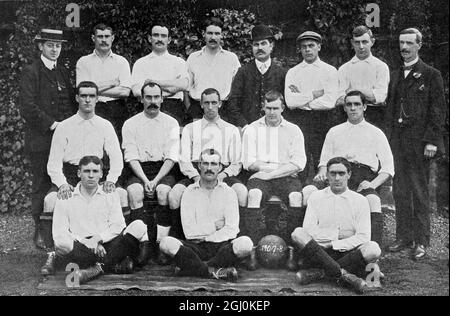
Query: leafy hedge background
pixel 132 21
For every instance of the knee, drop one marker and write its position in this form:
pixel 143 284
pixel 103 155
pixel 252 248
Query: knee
pixel 374 203
pixel 170 246
pixel 63 248
pixel 241 192
pixel 254 198
pixel 370 251
pixel 162 192
pixel 300 237
pixel 175 196
pixel 123 196
pixel 138 229
pixel 135 193
pixel 306 192
pixel 49 202
pixel 242 246
pixel 295 199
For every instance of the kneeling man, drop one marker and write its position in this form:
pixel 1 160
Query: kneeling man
pixel 335 236
pixel 210 220
pixel 89 228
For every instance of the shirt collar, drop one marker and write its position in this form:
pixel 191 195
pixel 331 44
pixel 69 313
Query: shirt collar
pixel 79 119
pixel 360 124
pixel 158 118
pixel 76 190
pixel 368 60
pixel 329 193
pixel 262 121
pixel 110 55
pixel 50 64
pixel 203 50
pixel 153 55
pixel 316 63
pixel 267 63
pixel 196 185
pixel 219 122
pixel 412 62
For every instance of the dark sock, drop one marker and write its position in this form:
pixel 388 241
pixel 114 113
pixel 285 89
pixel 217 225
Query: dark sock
pixel 163 217
pixel 295 217
pixel 126 211
pixel 224 258
pixel 315 253
pixel 176 230
pixel 190 264
pixel 45 225
pixel 377 227
pixel 139 214
pixel 250 223
pixel 353 262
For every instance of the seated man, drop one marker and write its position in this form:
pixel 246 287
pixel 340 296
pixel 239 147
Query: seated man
pixel 210 219
pixel 273 150
pixel 89 229
pixel 151 142
pixel 209 132
pixel 369 153
pixel 335 236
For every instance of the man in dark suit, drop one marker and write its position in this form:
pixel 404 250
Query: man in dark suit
pixel 254 80
pixel 415 118
pixel 46 98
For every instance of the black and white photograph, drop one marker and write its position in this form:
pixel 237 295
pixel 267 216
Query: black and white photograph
pixel 224 153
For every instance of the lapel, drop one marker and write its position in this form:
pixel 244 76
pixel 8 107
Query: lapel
pixel 45 71
pixel 417 68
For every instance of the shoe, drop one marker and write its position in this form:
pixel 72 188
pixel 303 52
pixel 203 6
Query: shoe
pixel 309 276
pixel 228 274
pixel 291 265
pixel 419 252
pixel 352 282
pixel 90 273
pixel 251 263
pixel 144 254
pixel 38 239
pixel 49 267
pixel 399 245
pixel 126 266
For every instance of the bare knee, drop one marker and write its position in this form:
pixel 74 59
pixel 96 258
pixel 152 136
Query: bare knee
pixel 123 196
pixel 49 202
pixel 242 246
pixel 374 203
pixel 137 229
pixel 295 199
pixel 370 251
pixel 254 198
pixel 300 237
pixel 306 192
pixel 241 192
pixel 135 195
pixel 162 192
pixel 170 246
pixel 175 196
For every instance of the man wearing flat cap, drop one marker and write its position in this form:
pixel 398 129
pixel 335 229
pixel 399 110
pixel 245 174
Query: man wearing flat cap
pixel 311 91
pixel 46 98
pixel 254 80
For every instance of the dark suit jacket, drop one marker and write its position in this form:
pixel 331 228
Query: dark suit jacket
pixel 38 104
pixel 424 102
pixel 244 103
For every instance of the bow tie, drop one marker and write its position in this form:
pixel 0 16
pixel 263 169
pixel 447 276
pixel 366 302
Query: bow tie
pixel 407 68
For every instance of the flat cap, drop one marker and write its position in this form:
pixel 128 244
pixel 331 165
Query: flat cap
pixel 311 36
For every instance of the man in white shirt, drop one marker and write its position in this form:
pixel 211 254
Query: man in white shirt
pixel 209 132
pixel 273 151
pixel 335 236
pixel 89 229
pixel 210 218
pixel 166 70
pixel 367 149
pixel 311 91
pixel 151 145
pixel 111 73
pixel 365 73
pixel 210 67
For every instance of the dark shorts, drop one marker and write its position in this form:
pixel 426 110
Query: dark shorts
pixel 230 181
pixel 151 169
pixel 281 187
pixel 205 250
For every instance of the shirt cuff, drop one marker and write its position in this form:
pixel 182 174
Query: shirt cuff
pixel 54 125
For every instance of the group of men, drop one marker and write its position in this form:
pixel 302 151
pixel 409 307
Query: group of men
pixel 210 187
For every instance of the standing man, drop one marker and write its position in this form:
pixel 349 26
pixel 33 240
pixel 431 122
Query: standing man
pixel 416 120
pixel 254 80
pixel 210 218
pixel 166 70
pixel 367 74
pixel 111 73
pixel 211 67
pixel 273 151
pixel 46 98
pixel 311 92
pixel 151 145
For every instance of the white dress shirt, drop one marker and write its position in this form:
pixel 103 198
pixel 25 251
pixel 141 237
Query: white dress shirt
pixel 219 135
pixel 151 139
pixel 263 67
pixel 49 64
pixel 212 215
pixel 362 143
pixel 370 74
pixel 78 218
pixel 406 72
pixel 75 138
pixel 93 68
pixel 343 219
pixel 160 67
pixel 273 145
pixel 216 72
pixel 308 78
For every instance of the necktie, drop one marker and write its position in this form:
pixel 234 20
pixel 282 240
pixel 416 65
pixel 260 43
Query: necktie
pixel 263 68
pixel 407 68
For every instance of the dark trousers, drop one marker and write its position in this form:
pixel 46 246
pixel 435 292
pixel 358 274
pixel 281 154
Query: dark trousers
pixel 114 111
pixel 410 188
pixel 41 182
pixel 376 116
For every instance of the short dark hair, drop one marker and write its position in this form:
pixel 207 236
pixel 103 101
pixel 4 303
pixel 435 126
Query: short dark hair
pixel 87 84
pixel 273 95
pixel 356 93
pixel 209 151
pixel 208 92
pixel 214 21
pixel 339 160
pixel 102 27
pixel 413 30
pixel 151 85
pixel 361 30
pixel 88 159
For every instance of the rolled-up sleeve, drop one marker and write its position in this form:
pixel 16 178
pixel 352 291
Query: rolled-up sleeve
pixel 380 89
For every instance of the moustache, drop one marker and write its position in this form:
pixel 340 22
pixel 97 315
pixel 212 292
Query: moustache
pixel 260 51
pixel 153 106
pixel 404 51
pixel 213 41
pixel 159 42
pixel 209 172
